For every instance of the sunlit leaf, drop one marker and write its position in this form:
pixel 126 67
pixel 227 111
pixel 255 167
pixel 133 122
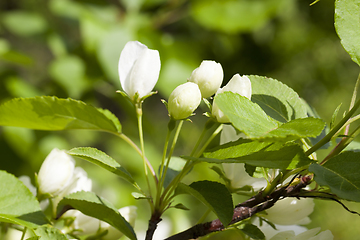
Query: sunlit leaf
pixel 103 160
pixel 277 99
pixel 17 204
pixel 347 25
pixel 49 233
pixel 92 205
pixel 341 173
pixel 258 154
pixel 250 119
pixel 52 113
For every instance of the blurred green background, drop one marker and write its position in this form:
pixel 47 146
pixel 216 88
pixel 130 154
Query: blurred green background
pixel 71 49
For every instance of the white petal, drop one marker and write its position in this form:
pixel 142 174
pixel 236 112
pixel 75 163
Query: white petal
pixel 145 73
pixel 325 235
pixel 308 234
pixel 56 172
pixel 128 57
pixel 287 235
pixel 290 211
pixel 184 100
pixel 209 76
pixel 240 85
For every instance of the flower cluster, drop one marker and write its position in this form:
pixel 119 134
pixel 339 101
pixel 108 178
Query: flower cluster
pixel 59 177
pixel 139 69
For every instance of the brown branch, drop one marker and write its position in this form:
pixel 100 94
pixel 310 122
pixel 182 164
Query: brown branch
pixel 244 210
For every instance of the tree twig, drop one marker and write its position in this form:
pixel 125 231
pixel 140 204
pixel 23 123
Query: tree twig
pixel 244 210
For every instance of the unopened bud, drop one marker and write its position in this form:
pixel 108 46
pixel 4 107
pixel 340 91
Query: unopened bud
pixel 184 100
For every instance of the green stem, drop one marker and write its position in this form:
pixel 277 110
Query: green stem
pixel 333 131
pixel 187 167
pixel 173 146
pixel 146 163
pixel 23 233
pixel 137 149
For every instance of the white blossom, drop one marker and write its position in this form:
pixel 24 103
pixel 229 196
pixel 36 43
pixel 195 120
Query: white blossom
pixel 139 69
pixel 308 235
pixel 237 84
pixel 184 100
pixel 290 211
pixel 208 76
pixel 56 172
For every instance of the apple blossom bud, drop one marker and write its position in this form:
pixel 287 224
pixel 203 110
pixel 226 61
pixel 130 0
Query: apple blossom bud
pixel 139 69
pixel 208 76
pixel 56 172
pixel 78 182
pixel 237 84
pixel 290 211
pixel 184 100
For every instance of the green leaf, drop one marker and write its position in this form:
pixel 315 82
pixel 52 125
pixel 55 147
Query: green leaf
pixel 258 154
pixel 333 118
pixel 245 115
pixel 17 204
pixel 103 160
pixel 252 231
pixel 214 195
pixel 277 99
pixel 92 205
pixel 347 26
pixel 296 129
pixel 250 119
pixel 50 233
pixel 24 23
pixel 234 16
pixel 341 173
pixel 52 113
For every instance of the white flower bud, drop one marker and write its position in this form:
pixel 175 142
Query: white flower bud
pixel 139 69
pixel 208 76
pixel 79 182
pixel 56 172
pixel 184 100
pixel 237 84
pixel 290 211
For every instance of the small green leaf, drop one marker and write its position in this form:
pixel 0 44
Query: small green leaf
pixel 245 115
pixel 277 99
pixel 258 154
pixel 101 159
pixel 139 196
pixel 17 204
pixel 341 173
pixel 333 118
pixel 52 113
pixel 252 231
pixel 347 26
pixel 214 195
pixel 48 232
pixel 92 205
pixel 181 206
